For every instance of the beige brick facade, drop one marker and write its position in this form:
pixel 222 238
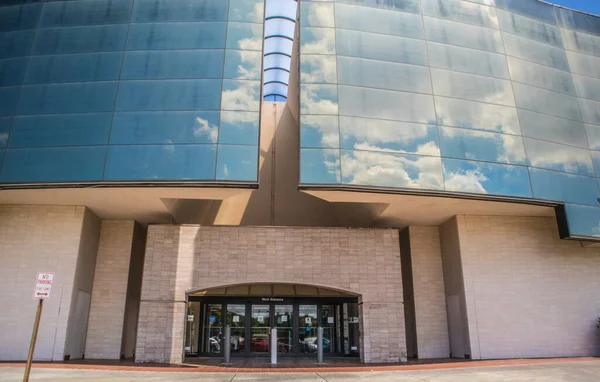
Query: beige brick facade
pixel 105 326
pixel 185 258
pixel 429 296
pixel 60 239
pixel 528 293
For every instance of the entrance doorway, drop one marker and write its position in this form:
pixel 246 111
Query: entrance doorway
pixel 252 318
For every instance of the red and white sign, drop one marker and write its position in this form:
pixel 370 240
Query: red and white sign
pixel 43 285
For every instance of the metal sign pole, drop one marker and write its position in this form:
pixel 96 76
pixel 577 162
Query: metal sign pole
pixel 36 326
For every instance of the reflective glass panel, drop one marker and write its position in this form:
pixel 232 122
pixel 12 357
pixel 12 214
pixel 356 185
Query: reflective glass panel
pixel 553 156
pixel 5 124
pixel 238 127
pixel 541 76
pixel 465 35
pixel 16 44
pixel 318 99
pixel 593 136
pixel 245 10
pixel 101 38
pixel 161 162
pixel 61 130
pixel 244 36
pixel 467 60
pixel 530 8
pixel 67 98
pixel 535 51
pixel 317 69
pixel 381 135
pixel 169 95
pixel 526 27
pixel 587 87
pixel 383 75
pixel 411 6
pixel 378 21
pixel 16 18
pixel 165 127
pixel 584 64
pixel 559 186
pixel 486 178
pixel 463 11
pixel 241 95
pixel 173 64
pixel 385 104
pixel 12 71
pixel 471 87
pixel 545 101
pixel 319 166
pixel 578 21
pixel 205 35
pixel 317 41
pixel 377 47
pixel 73 68
pixel 89 12
pixel 546 127
pixel 476 115
pixel 583 220
pixel 316 14
pixel 389 170
pixel 319 131
pixel 480 145
pixel 179 10
pixel 60 164
pixel 9 97
pixel 581 42
pixel 590 110
pixel 237 163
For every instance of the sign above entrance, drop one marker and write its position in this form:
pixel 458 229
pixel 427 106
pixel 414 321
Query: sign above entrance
pixel 43 285
pixel 272 299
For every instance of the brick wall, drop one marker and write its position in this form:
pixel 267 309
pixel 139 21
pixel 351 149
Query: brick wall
pixel 105 327
pixel 529 293
pixel 429 295
pixel 184 258
pixel 34 239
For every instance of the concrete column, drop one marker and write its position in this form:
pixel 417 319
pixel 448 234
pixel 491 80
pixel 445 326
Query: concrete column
pixel 105 328
pixel 429 295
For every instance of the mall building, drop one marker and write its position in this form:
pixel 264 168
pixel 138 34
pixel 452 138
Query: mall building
pixel 420 178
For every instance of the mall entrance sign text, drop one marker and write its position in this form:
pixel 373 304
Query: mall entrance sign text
pixel 43 285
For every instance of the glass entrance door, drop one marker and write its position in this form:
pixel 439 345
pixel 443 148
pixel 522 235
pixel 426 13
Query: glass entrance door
pixel 236 319
pixel 307 329
pixel 212 326
pixel 284 315
pixel 259 329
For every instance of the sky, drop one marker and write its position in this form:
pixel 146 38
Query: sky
pixel 590 6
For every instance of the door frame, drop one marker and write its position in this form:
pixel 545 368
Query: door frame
pixel 271 301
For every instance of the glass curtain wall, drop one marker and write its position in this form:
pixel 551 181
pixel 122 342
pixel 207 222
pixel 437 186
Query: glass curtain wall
pixel 493 97
pixel 123 90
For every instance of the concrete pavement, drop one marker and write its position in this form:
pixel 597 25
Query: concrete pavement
pixel 588 371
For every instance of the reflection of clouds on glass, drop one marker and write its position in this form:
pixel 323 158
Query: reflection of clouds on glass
pixel 317 14
pixel 318 69
pixel 238 127
pixel 246 10
pixel 240 95
pixel 382 135
pixel 391 170
pixel 319 131
pixel 319 99
pixel 477 115
pixel 225 170
pixel 317 40
pixel 3 139
pixel 472 87
pixel 319 166
pixel 479 145
pixel 242 64
pixel 558 157
pixel 203 129
pixel 466 181
pixel 244 36
pixel 486 178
